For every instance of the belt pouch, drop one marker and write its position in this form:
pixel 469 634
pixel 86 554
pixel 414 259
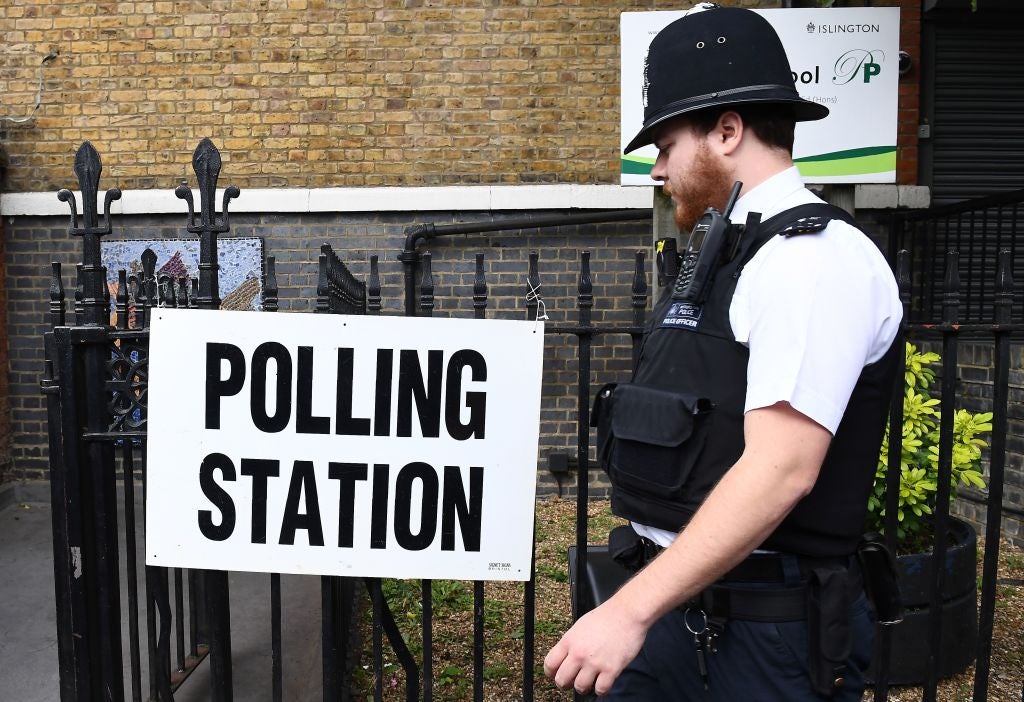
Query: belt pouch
pixel 880 579
pixel 629 549
pixel 828 627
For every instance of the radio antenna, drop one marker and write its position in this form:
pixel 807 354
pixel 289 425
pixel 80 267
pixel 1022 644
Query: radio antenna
pixel 733 196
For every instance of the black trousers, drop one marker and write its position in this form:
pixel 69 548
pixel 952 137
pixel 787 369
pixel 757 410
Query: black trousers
pixel 762 662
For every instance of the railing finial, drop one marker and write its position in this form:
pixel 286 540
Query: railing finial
pixel 1004 287
pixel 951 289
pixel 87 169
pixel 206 163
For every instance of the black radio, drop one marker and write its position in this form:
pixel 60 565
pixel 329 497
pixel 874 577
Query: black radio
pixel 703 250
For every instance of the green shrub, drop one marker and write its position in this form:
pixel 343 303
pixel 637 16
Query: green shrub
pixel 919 463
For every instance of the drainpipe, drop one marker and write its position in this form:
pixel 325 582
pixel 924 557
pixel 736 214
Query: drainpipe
pixel 409 258
pixel 424 232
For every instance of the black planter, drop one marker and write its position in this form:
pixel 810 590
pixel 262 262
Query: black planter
pixel 908 658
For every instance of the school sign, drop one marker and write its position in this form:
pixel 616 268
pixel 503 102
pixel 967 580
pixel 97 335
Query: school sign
pixel 340 445
pixel 846 59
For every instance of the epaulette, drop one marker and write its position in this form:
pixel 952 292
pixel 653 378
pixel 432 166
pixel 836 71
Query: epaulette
pixel 805 225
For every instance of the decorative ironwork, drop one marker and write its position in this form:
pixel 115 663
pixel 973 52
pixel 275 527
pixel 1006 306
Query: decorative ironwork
pixel 979 229
pixel 206 163
pixel 479 289
pixel 373 288
pixel 427 287
pixel 88 167
pixel 585 290
pixel 79 292
pixel 142 289
pixel 181 296
pixel 270 285
pixel 56 296
pixel 338 291
pixel 127 383
pixel 123 308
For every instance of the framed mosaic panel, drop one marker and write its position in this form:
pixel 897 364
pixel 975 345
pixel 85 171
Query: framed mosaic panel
pixel 240 276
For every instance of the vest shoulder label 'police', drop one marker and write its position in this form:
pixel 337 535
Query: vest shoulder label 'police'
pixel 682 315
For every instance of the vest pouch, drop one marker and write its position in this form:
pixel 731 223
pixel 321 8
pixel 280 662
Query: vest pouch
pixel 652 438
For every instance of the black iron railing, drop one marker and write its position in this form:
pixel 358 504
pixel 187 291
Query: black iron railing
pixel 978 231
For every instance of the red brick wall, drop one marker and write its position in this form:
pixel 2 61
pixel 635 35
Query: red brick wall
pixel 910 94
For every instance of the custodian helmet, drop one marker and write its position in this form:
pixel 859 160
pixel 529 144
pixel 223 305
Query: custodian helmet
pixel 715 57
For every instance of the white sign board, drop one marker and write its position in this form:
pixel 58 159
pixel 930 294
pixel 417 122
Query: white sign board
pixel 340 445
pixel 844 58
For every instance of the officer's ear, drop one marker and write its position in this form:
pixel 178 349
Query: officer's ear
pixel 728 132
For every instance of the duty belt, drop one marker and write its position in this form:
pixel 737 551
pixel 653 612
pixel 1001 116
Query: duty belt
pixel 764 587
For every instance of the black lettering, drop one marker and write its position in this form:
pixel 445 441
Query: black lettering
pixel 382 400
pixel 303 481
pixel 475 401
pixel 469 511
pixel 428 395
pixel 217 387
pixel 305 421
pixel 347 474
pixel 259 470
pixel 379 506
pixel 346 423
pixel 283 392
pixel 217 495
pixel 403 506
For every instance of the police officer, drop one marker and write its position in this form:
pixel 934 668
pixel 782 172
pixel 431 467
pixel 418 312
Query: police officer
pixel 777 377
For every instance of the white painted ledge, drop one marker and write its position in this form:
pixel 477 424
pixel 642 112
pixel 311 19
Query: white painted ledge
pixel 386 199
pixel 455 198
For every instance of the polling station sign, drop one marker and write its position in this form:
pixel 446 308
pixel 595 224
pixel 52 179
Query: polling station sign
pixel 844 58
pixel 342 445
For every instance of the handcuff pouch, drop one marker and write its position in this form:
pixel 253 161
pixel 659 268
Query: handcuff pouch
pixel 629 549
pixel 828 627
pixel 880 579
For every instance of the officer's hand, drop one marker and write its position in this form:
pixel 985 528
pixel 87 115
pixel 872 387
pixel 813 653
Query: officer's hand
pixel 595 650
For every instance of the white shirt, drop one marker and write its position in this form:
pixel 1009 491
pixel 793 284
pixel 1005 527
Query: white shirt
pixel 813 310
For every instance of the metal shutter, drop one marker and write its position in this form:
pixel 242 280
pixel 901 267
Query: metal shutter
pixel 977 103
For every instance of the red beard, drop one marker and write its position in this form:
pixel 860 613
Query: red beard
pixel 707 185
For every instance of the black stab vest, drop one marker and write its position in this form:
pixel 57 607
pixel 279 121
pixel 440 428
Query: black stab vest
pixel 698 354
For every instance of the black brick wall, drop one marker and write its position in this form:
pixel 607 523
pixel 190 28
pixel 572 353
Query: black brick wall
pixel 5 409
pixel 975 393
pixel 32 242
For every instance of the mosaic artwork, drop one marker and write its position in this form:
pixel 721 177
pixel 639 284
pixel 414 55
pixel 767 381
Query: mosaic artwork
pixel 240 276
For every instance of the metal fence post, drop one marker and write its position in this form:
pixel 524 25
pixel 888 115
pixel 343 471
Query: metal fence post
pixel 89 481
pixel 997 465
pixel 206 163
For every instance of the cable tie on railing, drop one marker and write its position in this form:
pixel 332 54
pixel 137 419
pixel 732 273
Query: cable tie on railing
pixel 533 295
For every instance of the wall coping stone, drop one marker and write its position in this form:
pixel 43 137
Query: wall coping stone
pixel 416 199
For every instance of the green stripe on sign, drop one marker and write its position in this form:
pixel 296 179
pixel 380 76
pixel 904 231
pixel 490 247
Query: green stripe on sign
pixel 637 165
pixel 871 159
pixel 846 166
pixel 848 153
